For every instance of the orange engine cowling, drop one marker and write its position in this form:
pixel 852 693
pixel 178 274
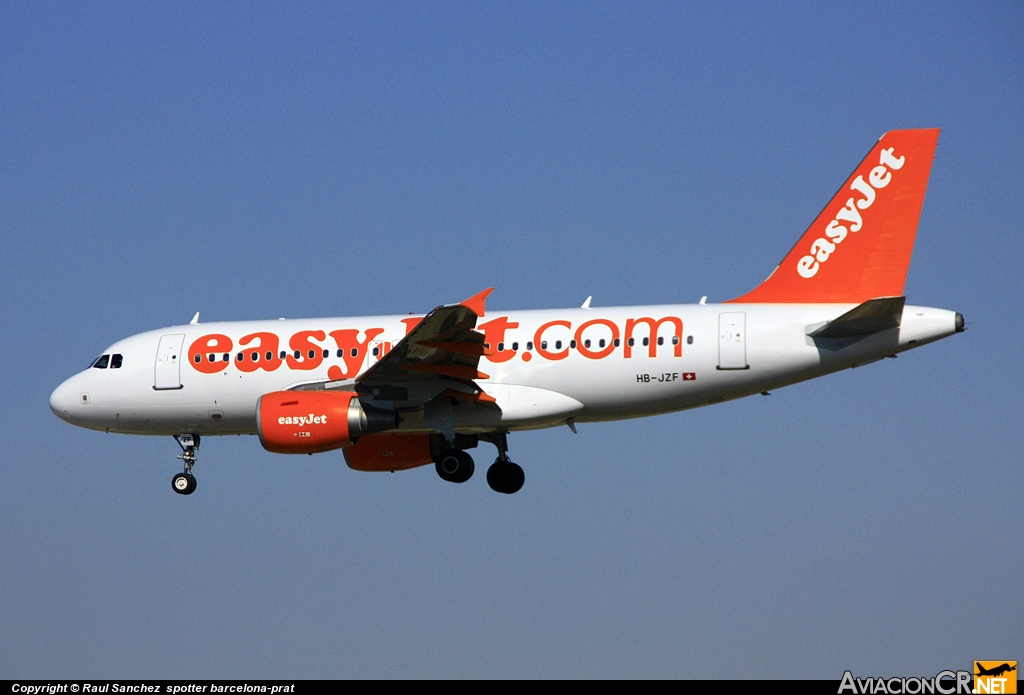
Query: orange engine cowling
pixel 308 422
pixel 389 452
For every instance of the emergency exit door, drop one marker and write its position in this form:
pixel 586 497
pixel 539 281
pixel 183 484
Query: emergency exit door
pixel 732 340
pixel 168 362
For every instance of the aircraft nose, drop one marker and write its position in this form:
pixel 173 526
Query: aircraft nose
pixel 63 399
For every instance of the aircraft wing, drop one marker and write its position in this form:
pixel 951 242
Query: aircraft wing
pixel 442 353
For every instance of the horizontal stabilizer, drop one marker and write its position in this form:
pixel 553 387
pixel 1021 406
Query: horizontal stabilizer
pixel 870 317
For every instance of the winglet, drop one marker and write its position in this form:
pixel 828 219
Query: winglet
pixel 195 319
pixel 476 302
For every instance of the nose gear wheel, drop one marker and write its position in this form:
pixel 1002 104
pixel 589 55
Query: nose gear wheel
pixel 185 483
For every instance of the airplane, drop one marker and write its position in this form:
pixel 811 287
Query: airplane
pixel 995 671
pixel 397 392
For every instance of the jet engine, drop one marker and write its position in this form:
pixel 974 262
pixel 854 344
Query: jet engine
pixel 308 422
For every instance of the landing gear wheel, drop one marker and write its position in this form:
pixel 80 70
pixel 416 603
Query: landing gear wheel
pixel 454 465
pixel 505 476
pixel 183 484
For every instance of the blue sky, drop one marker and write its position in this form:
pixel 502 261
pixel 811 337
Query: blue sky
pixel 261 160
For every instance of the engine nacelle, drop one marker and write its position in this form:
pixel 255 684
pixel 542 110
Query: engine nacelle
pixel 308 422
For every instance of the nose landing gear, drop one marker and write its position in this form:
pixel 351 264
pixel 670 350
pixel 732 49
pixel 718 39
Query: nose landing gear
pixel 185 483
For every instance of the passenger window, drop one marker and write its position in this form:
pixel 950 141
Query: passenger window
pixel 675 340
pixel 601 342
pixel 376 351
pixel 501 347
pixel 227 357
pixel 572 343
pixel 283 354
pixel 543 345
pixel 312 354
pixel 529 345
pixel 211 357
pixel 647 341
pixel 558 344
pixel 298 355
pixel 661 340
pixel 616 342
pixel 240 357
pixel 115 361
pixel 630 342
pixel 199 358
pixel 515 346
pixel 101 362
pixel 354 353
pixel 270 356
pixel 256 357
pixel 689 340
pixel 327 353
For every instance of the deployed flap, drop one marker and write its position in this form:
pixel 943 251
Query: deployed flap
pixel 444 345
pixel 872 316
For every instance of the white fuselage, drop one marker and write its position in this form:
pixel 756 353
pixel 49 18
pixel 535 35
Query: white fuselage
pixel 536 372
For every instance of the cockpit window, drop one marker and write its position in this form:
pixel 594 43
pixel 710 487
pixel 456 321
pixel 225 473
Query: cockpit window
pixel 101 362
pixel 115 361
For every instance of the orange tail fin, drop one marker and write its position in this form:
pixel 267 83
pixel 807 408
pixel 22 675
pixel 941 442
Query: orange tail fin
pixel 859 246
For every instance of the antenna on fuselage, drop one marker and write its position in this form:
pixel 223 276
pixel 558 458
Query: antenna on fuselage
pixel 195 320
pixel 586 304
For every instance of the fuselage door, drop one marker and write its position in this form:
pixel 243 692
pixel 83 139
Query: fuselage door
pixel 732 340
pixel 168 362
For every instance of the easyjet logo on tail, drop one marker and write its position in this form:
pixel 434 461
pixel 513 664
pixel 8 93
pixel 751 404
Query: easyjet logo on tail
pixel 823 247
pixel 878 206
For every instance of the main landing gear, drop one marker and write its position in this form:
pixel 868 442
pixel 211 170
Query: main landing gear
pixel 456 466
pixel 185 483
pixel 503 475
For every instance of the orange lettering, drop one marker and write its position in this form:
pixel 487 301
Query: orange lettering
pixel 267 345
pixel 311 354
pixel 603 352
pixel 348 340
pixel 538 342
pixel 411 324
pixel 207 353
pixel 494 335
pixel 652 349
